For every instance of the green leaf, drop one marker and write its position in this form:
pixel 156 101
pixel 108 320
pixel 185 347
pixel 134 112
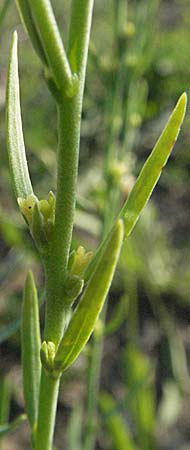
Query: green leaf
pixel 28 22
pixel 31 344
pixel 116 425
pixel 148 177
pixel 15 141
pixel 8 427
pixel 86 313
pixel 152 168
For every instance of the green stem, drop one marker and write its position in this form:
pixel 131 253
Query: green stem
pixel 69 120
pixel 48 398
pixel 52 43
pixel 28 22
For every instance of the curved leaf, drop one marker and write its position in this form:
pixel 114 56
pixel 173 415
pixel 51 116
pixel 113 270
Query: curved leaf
pixel 31 344
pixel 148 177
pixel 152 168
pixel 15 141
pixel 86 313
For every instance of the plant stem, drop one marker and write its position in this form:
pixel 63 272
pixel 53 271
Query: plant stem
pixel 69 120
pixel 51 40
pixel 48 398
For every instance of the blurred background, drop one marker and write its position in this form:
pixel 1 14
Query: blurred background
pixel 138 66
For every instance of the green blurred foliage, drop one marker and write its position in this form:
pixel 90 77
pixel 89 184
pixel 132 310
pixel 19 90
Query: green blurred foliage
pixel 132 84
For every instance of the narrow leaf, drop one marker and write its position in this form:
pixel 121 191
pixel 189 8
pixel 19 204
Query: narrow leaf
pixel 152 168
pixel 9 427
pixel 15 141
pixel 31 349
pixel 147 178
pixel 86 313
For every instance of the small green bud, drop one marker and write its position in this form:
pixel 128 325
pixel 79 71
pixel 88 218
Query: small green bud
pixel 81 260
pixel 45 209
pixel 47 354
pixel 51 199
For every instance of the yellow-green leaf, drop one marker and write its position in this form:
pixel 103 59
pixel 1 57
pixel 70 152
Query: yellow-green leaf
pixel 86 313
pixel 15 141
pixel 148 177
pixel 152 168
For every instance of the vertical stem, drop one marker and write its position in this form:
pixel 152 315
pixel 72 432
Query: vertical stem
pixel 69 120
pixel 50 38
pixel 48 399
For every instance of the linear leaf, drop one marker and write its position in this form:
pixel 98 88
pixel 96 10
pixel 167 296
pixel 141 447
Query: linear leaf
pixel 31 344
pixel 86 313
pixel 148 177
pixel 15 141
pixel 152 168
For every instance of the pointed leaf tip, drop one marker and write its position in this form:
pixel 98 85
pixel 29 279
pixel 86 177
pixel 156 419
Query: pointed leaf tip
pixel 30 283
pixel 182 104
pixel 153 166
pixel 15 38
